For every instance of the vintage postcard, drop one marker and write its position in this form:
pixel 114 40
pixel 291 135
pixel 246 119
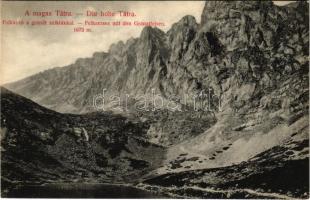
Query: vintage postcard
pixel 155 99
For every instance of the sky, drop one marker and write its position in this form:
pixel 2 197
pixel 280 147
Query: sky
pixel 26 50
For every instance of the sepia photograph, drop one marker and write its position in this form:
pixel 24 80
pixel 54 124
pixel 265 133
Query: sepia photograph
pixel 154 99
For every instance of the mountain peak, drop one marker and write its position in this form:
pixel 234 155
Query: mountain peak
pixel 237 4
pixel 115 47
pixel 188 20
pixel 220 9
pixel 149 31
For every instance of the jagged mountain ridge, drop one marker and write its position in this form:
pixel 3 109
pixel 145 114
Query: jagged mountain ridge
pixel 253 55
pixel 238 45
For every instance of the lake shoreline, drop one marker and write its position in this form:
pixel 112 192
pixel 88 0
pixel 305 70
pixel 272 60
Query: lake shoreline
pixel 82 190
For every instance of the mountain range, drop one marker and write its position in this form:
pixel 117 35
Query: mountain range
pixel 251 57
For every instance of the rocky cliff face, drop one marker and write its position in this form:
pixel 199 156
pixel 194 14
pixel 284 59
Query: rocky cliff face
pixel 249 57
pixel 245 57
pixel 242 51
